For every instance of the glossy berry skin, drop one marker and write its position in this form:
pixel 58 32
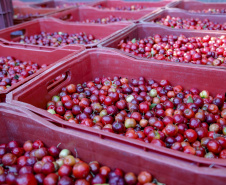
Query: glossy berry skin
pixel 65 170
pixel 48 168
pixel 26 179
pixel 51 178
pixel 81 170
pixel 189 150
pixel 171 129
pixel 144 177
pixel 214 146
pixel 190 135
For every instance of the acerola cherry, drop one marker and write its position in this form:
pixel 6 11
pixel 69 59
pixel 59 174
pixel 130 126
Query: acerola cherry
pixel 190 135
pixel 26 179
pixel 65 170
pixel 9 159
pixel 144 177
pixel 189 150
pixel 143 107
pixel 81 170
pixel 51 178
pixel 214 146
pixel 171 129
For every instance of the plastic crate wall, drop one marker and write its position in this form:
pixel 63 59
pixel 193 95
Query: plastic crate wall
pixel 6 13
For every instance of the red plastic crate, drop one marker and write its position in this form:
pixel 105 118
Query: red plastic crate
pixel 143 30
pixel 30 13
pixel 175 12
pixel 101 32
pixel 6 13
pixel 109 4
pixel 21 125
pixel 98 63
pixel 54 4
pixel 197 5
pixel 44 55
pixel 83 13
pixel 18 3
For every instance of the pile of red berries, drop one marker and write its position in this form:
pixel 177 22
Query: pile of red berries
pixel 34 163
pixel 105 20
pixel 57 39
pixel 190 23
pixel 122 8
pixel 190 121
pixel 205 50
pixel 213 11
pixel 13 70
pixel 25 16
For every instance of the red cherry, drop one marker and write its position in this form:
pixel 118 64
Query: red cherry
pixel 223 154
pixel 87 122
pixel 190 135
pixel 48 168
pixel 143 107
pixel 65 170
pixel 81 170
pixel 214 146
pixel 51 178
pixel 189 150
pixel 26 179
pixel 171 129
pixel 38 144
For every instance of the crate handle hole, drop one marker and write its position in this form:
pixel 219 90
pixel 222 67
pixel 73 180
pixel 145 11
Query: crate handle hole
pixel 66 17
pixel 18 33
pixel 57 81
